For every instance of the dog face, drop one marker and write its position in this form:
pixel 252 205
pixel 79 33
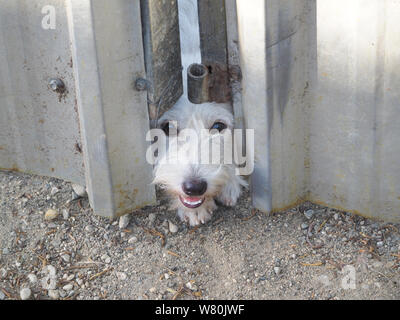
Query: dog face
pixel 192 180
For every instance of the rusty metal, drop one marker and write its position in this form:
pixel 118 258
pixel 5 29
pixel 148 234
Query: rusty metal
pixel 198 84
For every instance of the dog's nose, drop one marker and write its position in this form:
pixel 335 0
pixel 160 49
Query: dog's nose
pixel 194 187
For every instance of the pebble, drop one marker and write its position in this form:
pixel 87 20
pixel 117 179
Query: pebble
pixel 132 239
pixel 379 244
pixel 68 287
pixel 309 213
pixel 50 214
pixel 54 190
pixel 173 228
pixel 51 271
pixel 65 214
pixel 32 278
pixel 191 286
pixel 2 295
pixel 121 276
pixel 304 226
pixel 79 190
pixel 62 293
pixel 66 257
pixel 49 283
pixel 124 221
pixel 25 293
pixel 54 294
pixel 277 270
pixel 152 218
pixel 106 258
pixel 70 277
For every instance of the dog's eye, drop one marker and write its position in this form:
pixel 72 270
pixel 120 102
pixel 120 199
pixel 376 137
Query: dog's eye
pixel 219 126
pixel 168 128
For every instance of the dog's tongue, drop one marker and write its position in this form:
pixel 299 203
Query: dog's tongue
pixel 192 199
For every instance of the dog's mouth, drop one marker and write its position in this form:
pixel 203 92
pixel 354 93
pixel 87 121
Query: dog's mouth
pixel 191 202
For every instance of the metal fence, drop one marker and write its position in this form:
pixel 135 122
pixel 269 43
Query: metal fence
pixel 320 87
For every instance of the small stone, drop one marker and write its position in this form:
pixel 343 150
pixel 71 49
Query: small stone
pixel 191 286
pixel 152 290
pixel 121 276
pixel 62 293
pixel 106 258
pixel 70 277
pixel 173 228
pixel 54 190
pixel 49 283
pixel 32 278
pixel 88 228
pixel 379 244
pixel 50 214
pixel 79 190
pixel 25 293
pixel 336 216
pixel 304 226
pixel 65 214
pixel 54 294
pixel 66 257
pixel 166 276
pixel 68 287
pixel 132 239
pixel 152 218
pixel 309 213
pixel 277 270
pixel 124 221
pixel 51 271
pixel 2 295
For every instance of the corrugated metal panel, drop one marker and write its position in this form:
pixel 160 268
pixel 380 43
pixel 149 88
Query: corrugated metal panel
pixel 320 87
pixel 39 129
pixel 355 119
pixel 96 48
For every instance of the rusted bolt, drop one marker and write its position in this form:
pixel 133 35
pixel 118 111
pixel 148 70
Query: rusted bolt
pixel 57 85
pixel 141 84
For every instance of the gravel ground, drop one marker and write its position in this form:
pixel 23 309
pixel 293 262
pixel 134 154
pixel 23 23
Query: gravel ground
pixel 307 252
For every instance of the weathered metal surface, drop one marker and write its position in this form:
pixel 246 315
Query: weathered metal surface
pixel 162 54
pixel 251 27
pixel 319 88
pixel 197 77
pixel 39 127
pixel 355 118
pixel 107 57
pixel 213 44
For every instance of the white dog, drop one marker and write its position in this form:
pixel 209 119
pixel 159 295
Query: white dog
pixel 194 185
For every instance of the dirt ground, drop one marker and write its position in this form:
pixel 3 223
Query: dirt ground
pixel 307 252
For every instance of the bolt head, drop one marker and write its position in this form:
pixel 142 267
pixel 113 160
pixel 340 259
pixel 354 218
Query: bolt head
pixel 141 84
pixel 56 85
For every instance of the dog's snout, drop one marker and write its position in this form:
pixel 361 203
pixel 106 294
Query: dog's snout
pixel 194 187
